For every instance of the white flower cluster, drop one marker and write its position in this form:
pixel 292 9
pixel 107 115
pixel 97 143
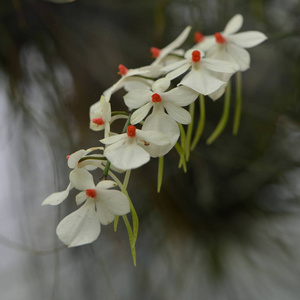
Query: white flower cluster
pixel 156 97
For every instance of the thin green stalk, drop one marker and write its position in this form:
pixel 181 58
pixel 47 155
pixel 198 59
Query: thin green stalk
pixel 238 103
pixel 181 154
pixel 223 121
pixel 201 122
pixel 189 132
pixel 160 173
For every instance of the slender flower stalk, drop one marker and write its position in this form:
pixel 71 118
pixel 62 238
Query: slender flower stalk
pixel 238 103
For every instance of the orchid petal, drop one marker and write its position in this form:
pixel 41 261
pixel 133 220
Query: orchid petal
pixel 137 98
pixel 114 201
pixel 57 198
pixel 75 157
pixel 161 85
pixel 113 139
pixel 140 113
pixel 178 113
pixel 106 184
pixel 81 179
pixel 152 137
pixel 126 156
pixel 202 81
pixel 179 71
pixel 240 55
pixel 80 227
pixel 80 198
pixel 104 215
pixel 247 39
pixel 234 24
pixel 181 96
pixel 219 65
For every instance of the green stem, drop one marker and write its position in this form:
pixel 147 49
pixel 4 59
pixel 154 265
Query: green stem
pixel 238 103
pixel 189 132
pixel 201 122
pixel 160 173
pixel 181 154
pixel 223 121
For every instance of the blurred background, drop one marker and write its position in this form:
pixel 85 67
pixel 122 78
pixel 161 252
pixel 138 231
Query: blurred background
pixel 228 229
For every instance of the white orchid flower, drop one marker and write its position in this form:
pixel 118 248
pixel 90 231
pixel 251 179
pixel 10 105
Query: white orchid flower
pixel 100 115
pixel 201 76
pixel 133 149
pixel 144 99
pixel 230 46
pixel 101 205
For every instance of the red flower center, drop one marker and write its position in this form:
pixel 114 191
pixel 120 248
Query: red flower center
pixel 219 38
pixel 91 193
pixel 196 56
pixel 156 98
pixel 198 37
pixel 122 70
pixel 131 131
pixel 98 121
pixel 155 52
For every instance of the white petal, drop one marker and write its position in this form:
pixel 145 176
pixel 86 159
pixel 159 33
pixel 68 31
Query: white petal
pixel 202 81
pixel 75 157
pixel 181 96
pixel 81 179
pixel 240 55
pixel 81 227
pixel 179 71
pixel 206 44
pixel 57 198
pixel 161 85
pixel 137 83
pixel 104 215
pixel 219 65
pixel 234 24
pixel 80 198
pixel 152 137
pixel 162 122
pixel 137 98
pixel 114 138
pixel 173 45
pixel 106 111
pixel 140 113
pixel 106 184
pixel 126 156
pixel 174 65
pixel 178 113
pixel 247 39
pixel 115 201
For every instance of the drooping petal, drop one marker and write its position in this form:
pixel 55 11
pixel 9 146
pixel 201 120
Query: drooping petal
pixel 234 24
pixel 240 55
pixel 161 85
pixel 106 184
pixel 80 227
pixel 247 39
pixel 181 96
pixel 114 201
pixel 201 81
pixel 126 156
pixel 137 98
pixel 104 215
pixel 81 179
pixel 137 83
pixel 57 198
pixel 178 113
pixel 80 198
pixel 140 113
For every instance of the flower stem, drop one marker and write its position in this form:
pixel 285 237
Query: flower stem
pixel 201 122
pixel 238 103
pixel 189 132
pixel 160 173
pixel 223 121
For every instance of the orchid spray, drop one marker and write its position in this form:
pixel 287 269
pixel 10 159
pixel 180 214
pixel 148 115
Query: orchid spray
pixel 156 121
